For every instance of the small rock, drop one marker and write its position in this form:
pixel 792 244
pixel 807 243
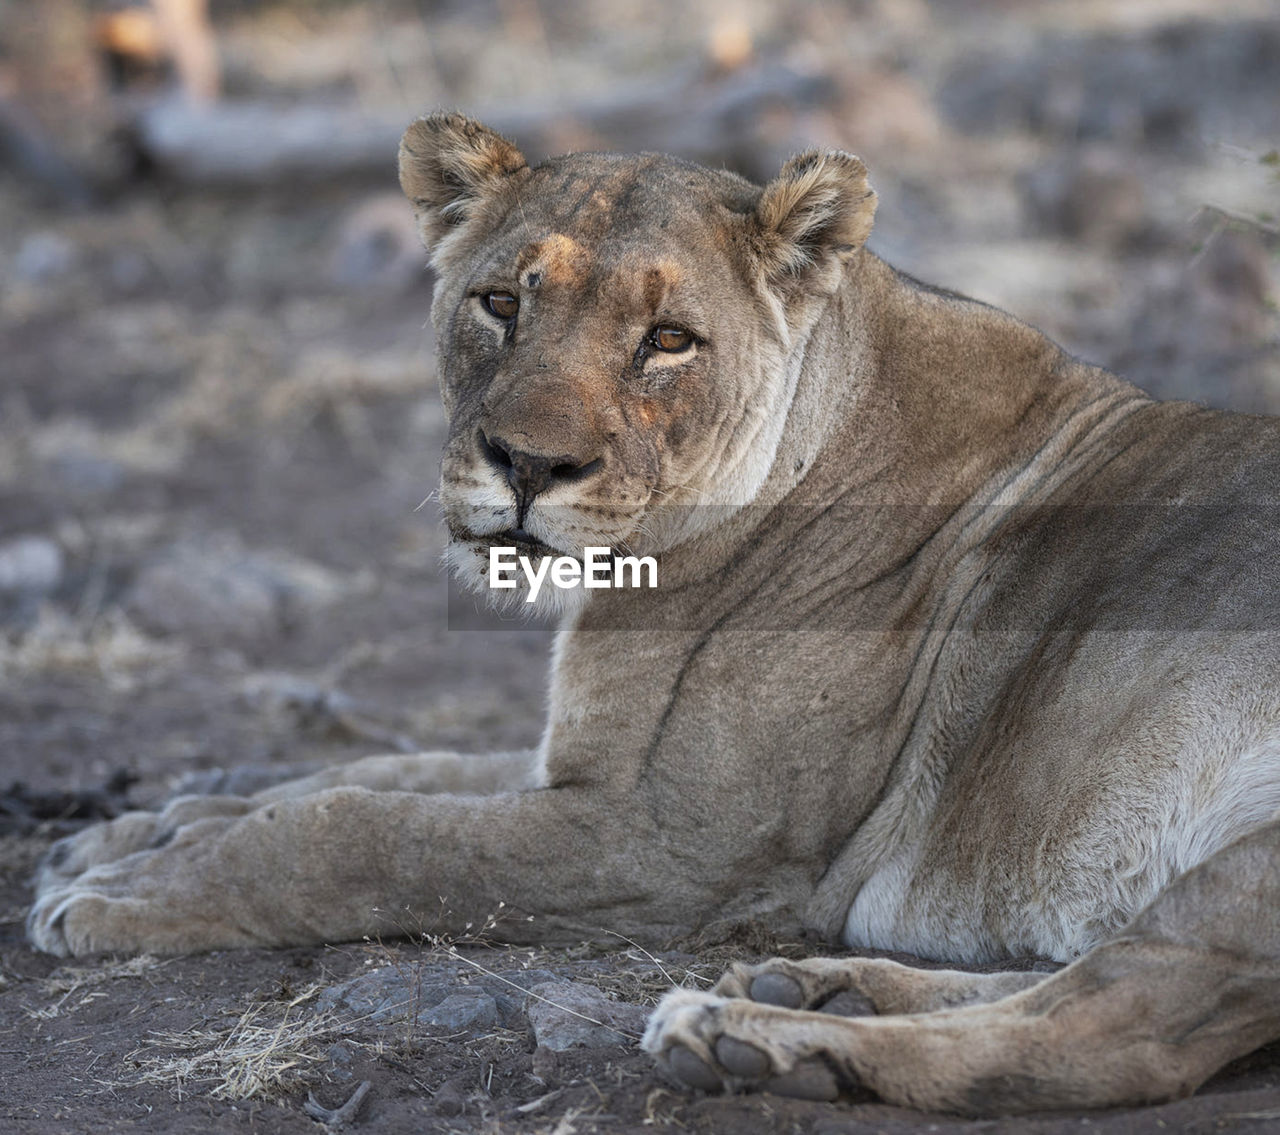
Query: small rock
pixel 380 995
pixel 567 1014
pixel 546 1066
pixel 339 1062
pixel 450 1098
pixel 508 990
pixel 434 994
pixel 467 1009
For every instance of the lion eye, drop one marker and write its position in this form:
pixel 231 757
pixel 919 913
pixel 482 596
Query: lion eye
pixel 502 304
pixel 672 339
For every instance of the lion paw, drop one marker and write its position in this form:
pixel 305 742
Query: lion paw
pixel 717 1044
pixel 149 901
pixel 58 921
pixel 820 984
pixel 71 857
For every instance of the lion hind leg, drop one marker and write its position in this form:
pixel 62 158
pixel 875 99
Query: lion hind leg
pixel 1192 983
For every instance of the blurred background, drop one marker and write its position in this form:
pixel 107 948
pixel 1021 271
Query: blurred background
pixel 218 413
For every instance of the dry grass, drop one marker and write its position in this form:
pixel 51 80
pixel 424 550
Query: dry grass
pixel 75 986
pixel 69 979
pixel 260 1056
pixel 647 985
pixel 109 647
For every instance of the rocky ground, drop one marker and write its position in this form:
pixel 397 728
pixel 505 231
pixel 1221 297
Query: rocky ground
pixel 218 422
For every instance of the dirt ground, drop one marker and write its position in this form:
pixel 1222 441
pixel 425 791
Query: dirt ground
pixel 219 559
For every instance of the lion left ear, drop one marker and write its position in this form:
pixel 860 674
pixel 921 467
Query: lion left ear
pixel 450 167
pixel 815 214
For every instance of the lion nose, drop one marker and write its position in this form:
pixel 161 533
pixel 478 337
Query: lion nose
pixel 529 474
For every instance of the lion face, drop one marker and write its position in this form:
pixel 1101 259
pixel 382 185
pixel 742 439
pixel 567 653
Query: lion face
pixel 614 336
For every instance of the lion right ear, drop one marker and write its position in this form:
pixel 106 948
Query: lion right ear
pixel 452 168
pixel 810 218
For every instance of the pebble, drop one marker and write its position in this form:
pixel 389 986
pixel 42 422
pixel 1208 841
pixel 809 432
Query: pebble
pixel 467 1010
pixel 564 1015
pixel 339 1062
pixel 436 996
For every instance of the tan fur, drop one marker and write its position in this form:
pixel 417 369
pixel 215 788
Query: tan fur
pixel 961 646
pixel 559 259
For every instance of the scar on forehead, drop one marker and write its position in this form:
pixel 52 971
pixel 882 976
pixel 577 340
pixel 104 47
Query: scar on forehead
pixel 557 259
pixel 659 281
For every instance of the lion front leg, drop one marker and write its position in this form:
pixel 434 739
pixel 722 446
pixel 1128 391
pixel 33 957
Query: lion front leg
pixel 431 772
pixel 1192 983
pixel 73 855
pixel 347 862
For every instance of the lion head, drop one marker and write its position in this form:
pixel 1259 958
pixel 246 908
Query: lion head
pixel 618 335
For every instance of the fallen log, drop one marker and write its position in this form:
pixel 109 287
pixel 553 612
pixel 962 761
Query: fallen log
pixel 709 118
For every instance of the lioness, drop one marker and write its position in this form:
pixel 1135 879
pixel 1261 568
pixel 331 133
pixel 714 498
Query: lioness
pixel 961 647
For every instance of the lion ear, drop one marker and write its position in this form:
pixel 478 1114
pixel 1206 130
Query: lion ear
pixel 815 214
pixel 451 167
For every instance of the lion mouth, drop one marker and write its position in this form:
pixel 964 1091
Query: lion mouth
pixel 524 542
